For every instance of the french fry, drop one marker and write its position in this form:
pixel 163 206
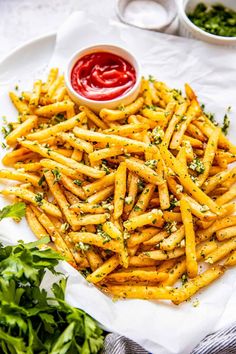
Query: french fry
pixel 164 196
pixel 112 140
pixel 77 143
pixel 160 255
pixel 29 167
pixel 112 115
pixel 141 292
pixel 179 112
pixel 92 116
pixel 219 178
pixel 34 224
pixel 171 242
pixel 120 190
pixel 72 186
pixel 141 236
pixel 156 239
pixel 209 155
pixel 191 258
pixel 54 234
pixel 226 233
pixel 153 217
pixel 21 106
pixel 137 275
pixel 143 171
pixel 222 251
pixel 34 99
pixel 54 108
pixel 101 196
pixel 51 165
pixel 48 153
pixel 231 260
pixel 127 129
pixel 195 284
pixel 192 112
pixel 186 181
pixel 88 208
pixel 70 216
pixel 22 130
pixel 116 234
pixel 95 261
pixel 35 199
pixel 55 129
pixel 20 176
pixel 143 200
pixel 100 273
pixel 227 197
pixel 96 186
pixel 217 225
pixel 95 240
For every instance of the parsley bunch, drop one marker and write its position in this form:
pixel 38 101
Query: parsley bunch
pixel 30 322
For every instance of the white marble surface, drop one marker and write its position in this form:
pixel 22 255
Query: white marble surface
pixel 23 20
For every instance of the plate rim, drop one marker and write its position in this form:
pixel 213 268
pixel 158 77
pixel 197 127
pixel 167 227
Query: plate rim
pixel 51 35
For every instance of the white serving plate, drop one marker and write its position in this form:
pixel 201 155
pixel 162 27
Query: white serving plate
pixel 157 326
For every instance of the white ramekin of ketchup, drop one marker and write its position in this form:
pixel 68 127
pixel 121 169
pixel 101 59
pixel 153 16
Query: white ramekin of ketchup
pixel 103 76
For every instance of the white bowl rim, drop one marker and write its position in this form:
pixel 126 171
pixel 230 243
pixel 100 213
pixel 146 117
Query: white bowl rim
pixel 100 46
pixel 182 12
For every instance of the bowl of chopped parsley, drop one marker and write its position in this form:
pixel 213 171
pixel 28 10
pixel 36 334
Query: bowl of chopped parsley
pixel 210 20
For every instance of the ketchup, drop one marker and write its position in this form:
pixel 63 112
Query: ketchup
pixel 102 76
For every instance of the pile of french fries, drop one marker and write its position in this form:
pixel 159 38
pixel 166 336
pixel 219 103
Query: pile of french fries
pixel 137 198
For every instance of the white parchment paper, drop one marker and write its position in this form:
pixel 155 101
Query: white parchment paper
pixel 159 327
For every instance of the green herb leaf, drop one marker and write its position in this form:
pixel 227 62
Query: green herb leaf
pixel 15 211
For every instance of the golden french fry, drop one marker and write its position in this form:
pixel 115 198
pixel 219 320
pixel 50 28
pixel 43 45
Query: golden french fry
pixel 20 176
pixel 140 292
pixel 143 201
pixel 153 217
pixel 222 251
pixel 186 181
pixel 106 268
pixel 143 171
pixel 171 242
pixel 209 155
pixel 22 130
pixel 49 153
pixel 35 199
pixel 54 108
pixel 96 186
pixel 70 216
pixel 34 224
pixel 226 233
pixel 21 106
pixel 191 258
pixel 60 127
pixel 136 275
pixel 160 255
pixel 77 143
pixel 194 285
pixel 217 225
pixel 120 190
pixel 111 115
pixel 95 240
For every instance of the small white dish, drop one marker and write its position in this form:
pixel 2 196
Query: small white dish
pixel 96 106
pixel 156 15
pixel 188 29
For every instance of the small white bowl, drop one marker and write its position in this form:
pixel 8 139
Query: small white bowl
pixel 96 106
pixel 141 12
pixel 188 29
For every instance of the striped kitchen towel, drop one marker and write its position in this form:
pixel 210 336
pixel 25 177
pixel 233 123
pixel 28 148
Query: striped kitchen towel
pixel 220 342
